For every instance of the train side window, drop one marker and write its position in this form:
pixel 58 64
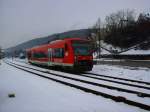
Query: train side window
pixel 58 53
pixel 35 55
pixel 39 55
pixel 62 52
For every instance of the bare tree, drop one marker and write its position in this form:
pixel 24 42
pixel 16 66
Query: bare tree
pixel 97 29
pixel 119 19
pixel 117 26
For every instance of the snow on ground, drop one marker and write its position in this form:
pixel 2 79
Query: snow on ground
pixel 132 51
pixel 135 73
pixel 103 51
pixel 100 89
pixel 109 46
pixel 36 94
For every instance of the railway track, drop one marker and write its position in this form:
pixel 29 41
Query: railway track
pixel 119 89
pixel 91 75
pixel 140 94
pixel 118 79
pixel 128 82
pixel 124 79
pixel 87 85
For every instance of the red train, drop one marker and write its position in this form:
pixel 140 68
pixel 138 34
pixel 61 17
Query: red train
pixel 70 53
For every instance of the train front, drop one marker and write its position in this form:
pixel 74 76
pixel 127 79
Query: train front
pixel 83 58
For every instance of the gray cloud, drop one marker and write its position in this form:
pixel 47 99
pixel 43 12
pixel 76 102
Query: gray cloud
pixel 22 20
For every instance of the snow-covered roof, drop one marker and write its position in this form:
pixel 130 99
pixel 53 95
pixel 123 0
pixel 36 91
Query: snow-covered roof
pixel 132 51
pixel 112 48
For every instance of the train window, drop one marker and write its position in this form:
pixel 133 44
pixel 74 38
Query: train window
pixel 39 55
pixel 82 48
pixel 58 53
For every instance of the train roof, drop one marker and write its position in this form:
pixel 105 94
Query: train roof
pixel 68 39
pixel 75 38
pixel 56 41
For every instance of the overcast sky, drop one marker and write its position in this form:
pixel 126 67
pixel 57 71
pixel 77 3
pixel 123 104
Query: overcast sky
pixel 23 20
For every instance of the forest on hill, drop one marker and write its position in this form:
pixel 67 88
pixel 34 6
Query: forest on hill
pixel 124 29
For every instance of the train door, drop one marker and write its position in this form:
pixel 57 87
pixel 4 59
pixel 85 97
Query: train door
pixel 50 57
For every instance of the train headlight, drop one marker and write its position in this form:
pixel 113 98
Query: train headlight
pixel 75 58
pixel 66 53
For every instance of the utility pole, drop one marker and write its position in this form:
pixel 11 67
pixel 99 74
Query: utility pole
pixel 99 37
pixel 0 54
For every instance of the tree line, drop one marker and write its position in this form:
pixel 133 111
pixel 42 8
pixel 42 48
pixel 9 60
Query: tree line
pixel 123 29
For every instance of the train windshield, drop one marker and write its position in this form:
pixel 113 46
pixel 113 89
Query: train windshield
pixel 83 48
